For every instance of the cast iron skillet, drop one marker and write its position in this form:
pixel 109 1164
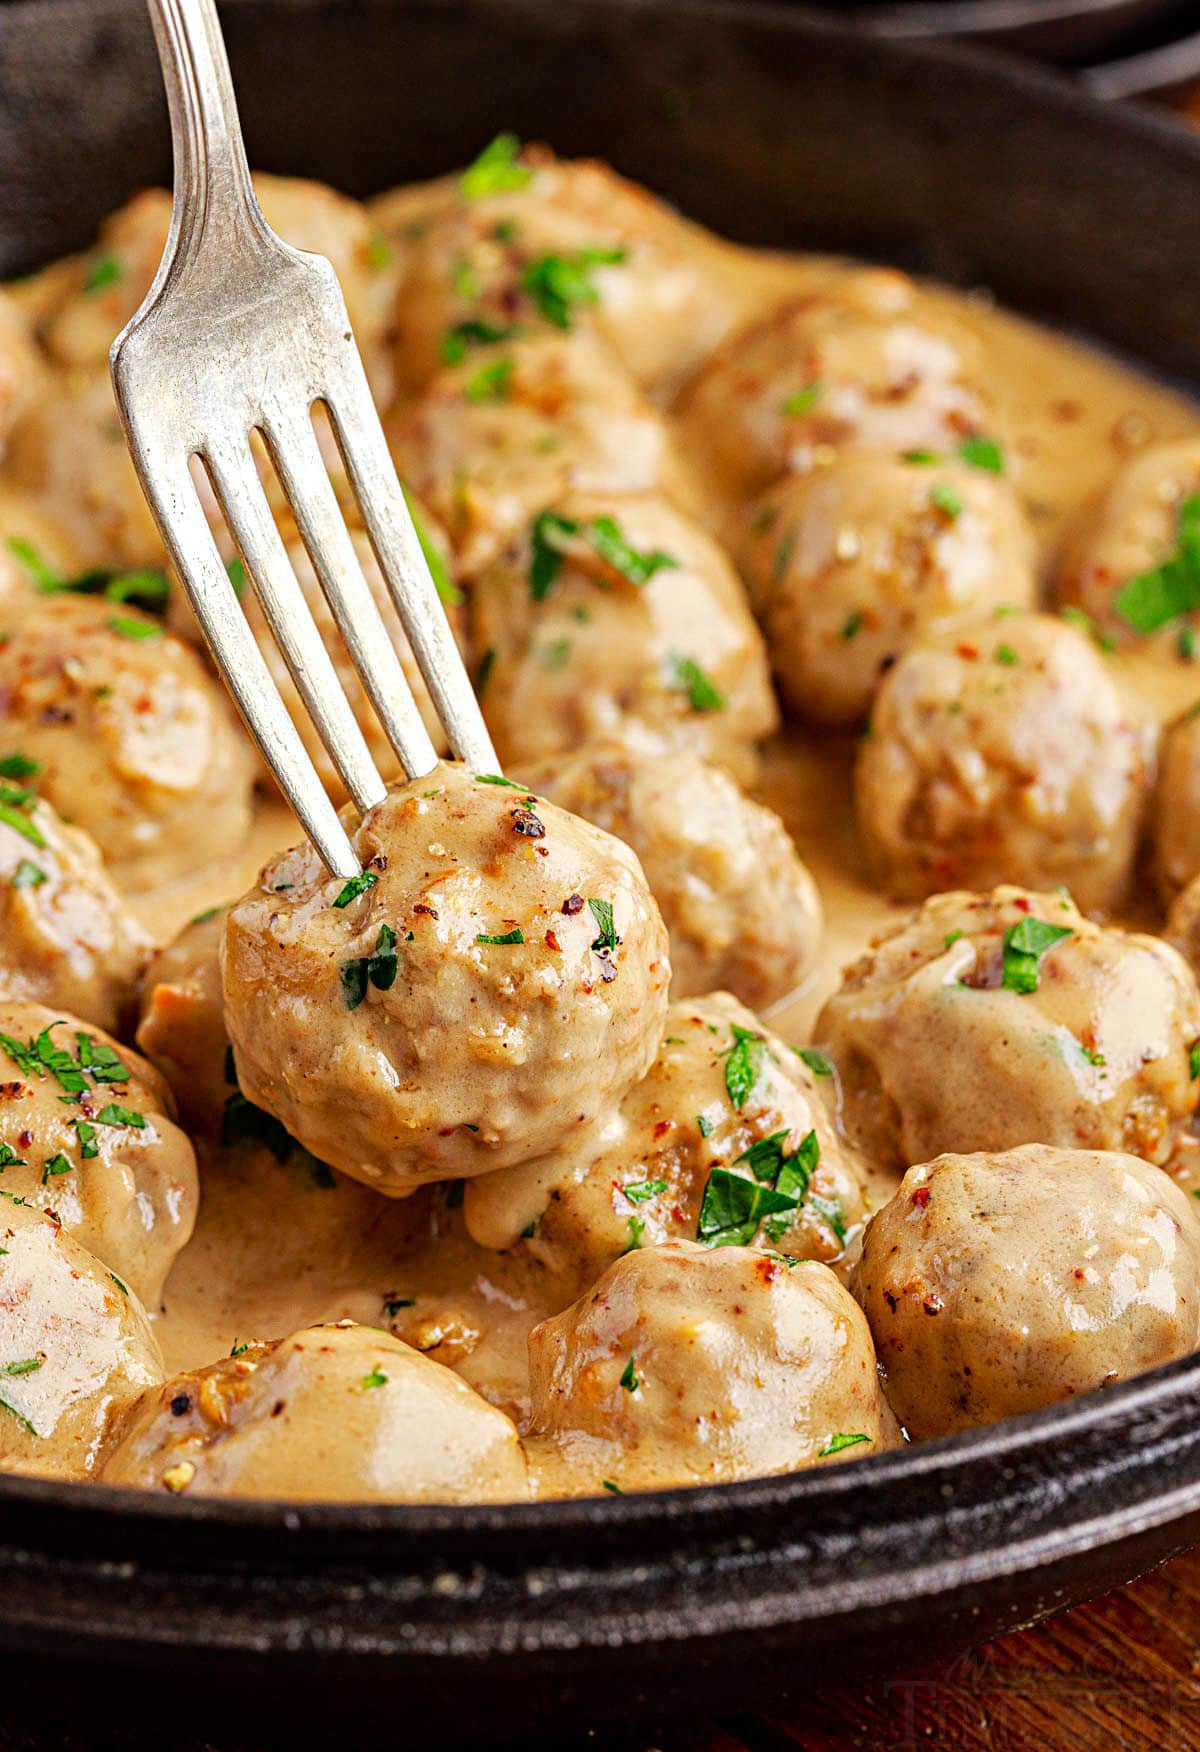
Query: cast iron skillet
pixel 500 1621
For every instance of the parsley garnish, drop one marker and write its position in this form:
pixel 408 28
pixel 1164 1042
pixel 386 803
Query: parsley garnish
pixel 238 1349
pixel 357 885
pixel 19 1416
pixel 743 1064
pixel 1025 944
pixel 10 1159
pixel 103 270
pixel 946 499
pixel 128 628
pixel 733 1207
pixel 28 875
pixel 835 1444
pixel 605 536
pixel 516 935
pixel 556 283
pixel 202 918
pixel 1194 1059
pixel 1153 598
pixel 13 805
pixel 498 779
pixel 89 1149
pixel 393 1304
pixel 550 532
pixel 378 251
pixel 40 1056
pixel 983 453
pixel 19 766
pixel 497 169
pixel 445 586
pixel 704 1124
pixel 25 1367
pixel 602 912
pixel 613 1489
pixel 491 383
pixel 852 625
pixel 638 1192
pixel 629 1376
pixel 816 1061
pixel 378 969
pixel 472 331
pixel 113 1114
pixel 636 1227
pixel 804 400
pixel 702 691
pixel 1005 654
pixel 56 1164
pixel 376 1378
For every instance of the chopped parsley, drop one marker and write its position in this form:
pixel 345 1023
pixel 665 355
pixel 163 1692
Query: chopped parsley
pixel 497 169
pixel 472 331
pixel 19 1416
pixel 128 628
pixel 19 766
pixel 103 270
pixel 516 935
pixel 1194 1059
pixel 607 940
pixel 835 1444
pixel 557 283
pixel 202 918
pixel 1005 654
pixel 377 251
pixel 393 1304
pixel 113 1114
pixel 605 536
pixel 702 691
pixel 89 1149
pixel 920 458
pixel 376 1378
pixel 704 1124
pixel 946 499
pixel 852 625
pixel 27 875
pixel 630 1379
pixel 56 1164
pixel 447 590
pixel 15 803
pixel 10 1159
pixel 734 1206
pixel 550 532
pixel 498 779
pixel 1079 618
pixel 357 885
pixel 816 1061
pixel 804 400
pixel 744 1063
pixel 25 1367
pixel 640 1191
pixel 238 1349
pixel 951 938
pixel 983 453
pixel 378 969
pixel 611 1487
pixel 39 1057
pixel 1151 599
pixel 1025 944
pixel 636 1228
pixel 491 383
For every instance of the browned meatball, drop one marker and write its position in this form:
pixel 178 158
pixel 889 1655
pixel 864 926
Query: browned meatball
pixel 1177 806
pixel 726 1139
pixel 990 1020
pixel 86 1132
pixel 492 989
pixel 863 362
pixel 66 937
pixel 685 1366
pixel 995 1284
pixel 741 909
pixel 1004 751
pixel 75 1348
pixel 181 1029
pixel 619 616
pixel 849 565
pixel 335 1412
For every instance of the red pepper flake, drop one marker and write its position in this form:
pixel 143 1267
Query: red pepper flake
pixel 573 904
pixel 767 1269
pixel 1021 904
pixel 921 1196
pixel 968 652
pixel 663 1127
pixel 552 942
pixel 422 908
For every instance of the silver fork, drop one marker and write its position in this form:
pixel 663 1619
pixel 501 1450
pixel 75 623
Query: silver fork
pixel 241 333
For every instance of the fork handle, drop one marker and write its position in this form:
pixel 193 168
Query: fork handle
pixel 214 197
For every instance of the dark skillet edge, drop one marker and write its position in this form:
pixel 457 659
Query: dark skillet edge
pixel 900 1557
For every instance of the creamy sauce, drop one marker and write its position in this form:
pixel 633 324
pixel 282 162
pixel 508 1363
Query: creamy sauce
pixel 277 1249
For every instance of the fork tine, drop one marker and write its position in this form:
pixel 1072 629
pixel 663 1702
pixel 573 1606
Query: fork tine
pixel 249 516
pixel 176 506
pixel 390 527
pixel 301 468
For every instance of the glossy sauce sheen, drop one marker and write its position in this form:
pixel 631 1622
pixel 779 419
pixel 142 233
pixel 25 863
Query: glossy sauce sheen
pixel 278 1249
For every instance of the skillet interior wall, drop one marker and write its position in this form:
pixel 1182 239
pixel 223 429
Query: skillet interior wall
pixel 738 120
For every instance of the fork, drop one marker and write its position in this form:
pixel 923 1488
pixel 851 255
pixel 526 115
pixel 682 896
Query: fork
pixel 240 333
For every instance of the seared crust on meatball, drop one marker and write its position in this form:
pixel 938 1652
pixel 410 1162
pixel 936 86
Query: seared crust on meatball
pixel 561 246
pixel 342 1413
pixel 850 564
pixel 86 1132
pixel 1004 751
pixel 75 1351
pixel 863 362
pixel 685 1366
pixel 181 1028
pixel 619 616
pixel 741 909
pixel 136 741
pixel 20 368
pixel 66 936
pixel 985 1021
pixel 726 1139
pixel 996 1284
pixel 494 991
pixel 1133 528
pixel 1177 806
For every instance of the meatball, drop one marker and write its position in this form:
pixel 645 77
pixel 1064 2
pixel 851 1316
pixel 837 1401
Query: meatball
pixel 494 440
pixel 94 296
pixel 1135 527
pixel 741 910
pixel 995 1284
pixel 1004 750
pixel 135 739
pixel 77 1348
pixel 1177 806
pixel 619 617
pixel 848 565
pixel 990 1020
pixel 545 245
pixel 66 937
pixel 727 1139
pixel 181 1028
pixel 865 362
pixel 492 985
pixel 86 1133
pixel 21 376
pixel 339 1413
pixel 685 1366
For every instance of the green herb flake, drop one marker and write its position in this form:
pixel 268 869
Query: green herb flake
pixel 353 977
pixel 636 566
pixel 238 1349
pixel 702 691
pixel 545 551
pixel 765 1156
pixel 951 938
pixel 1025 944
pixel 376 1378
pixel 472 331
pixel 607 940
pixel 89 1149
pixel 497 169
pixel 113 1114
pixel 983 453
pixel 611 1487
pixel 43 575
pixel 1194 1059
pixel 852 625
pixel 56 1164
pixel 26 1366
pixel 383 965
pixel 816 1061
pixel 121 1285
pixel 733 1208
pixel 13 815
pixel 516 935
pixel 128 628
pixel 27 875
pixel 19 1417
pixel 1151 599
pixel 635 1228
pixel 704 1124
pixel 743 1064
pixel 448 591
pixel 235 570
pixel 641 1191
pixel 630 1379
pixel 10 1159
pixel 946 499
pixel 557 284
pixel 355 886
pixel 491 383
pixel 393 1304
pixel 804 400
pixel 835 1444
pixel 103 270
pixel 378 252
pixel 19 766
pixel 1006 655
